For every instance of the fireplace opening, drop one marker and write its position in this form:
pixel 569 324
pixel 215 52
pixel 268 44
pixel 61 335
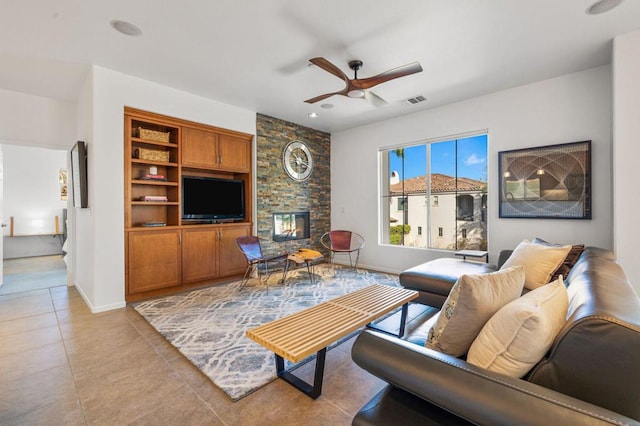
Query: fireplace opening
pixel 291 226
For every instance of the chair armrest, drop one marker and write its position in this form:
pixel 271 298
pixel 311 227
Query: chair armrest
pixel 470 392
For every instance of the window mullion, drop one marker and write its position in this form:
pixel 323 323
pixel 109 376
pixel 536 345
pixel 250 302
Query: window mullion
pixel 428 193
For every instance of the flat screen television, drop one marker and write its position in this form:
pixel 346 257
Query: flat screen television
pixel 212 199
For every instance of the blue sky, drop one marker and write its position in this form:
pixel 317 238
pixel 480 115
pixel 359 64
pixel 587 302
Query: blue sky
pixel 472 159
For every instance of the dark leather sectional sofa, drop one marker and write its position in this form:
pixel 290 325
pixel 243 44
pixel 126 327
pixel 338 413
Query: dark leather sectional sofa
pixel 591 374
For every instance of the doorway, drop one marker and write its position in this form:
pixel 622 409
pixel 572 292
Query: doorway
pixel 33 202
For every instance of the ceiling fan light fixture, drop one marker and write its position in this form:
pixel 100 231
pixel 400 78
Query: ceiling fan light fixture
pixel 602 6
pixel 356 93
pixel 126 28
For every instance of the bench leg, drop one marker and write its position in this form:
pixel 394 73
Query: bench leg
pixel 312 391
pixel 403 321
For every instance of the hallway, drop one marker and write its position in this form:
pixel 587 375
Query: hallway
pixel 33 273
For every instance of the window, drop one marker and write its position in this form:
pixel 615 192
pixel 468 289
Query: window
pixel 465 207
pixel 434 186
pixel 401 203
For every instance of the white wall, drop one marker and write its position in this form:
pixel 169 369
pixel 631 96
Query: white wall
pixel 626 152
pixel 36 121
pixel 32 189
pixel 569 108
pixel 81 232
pixel 110 92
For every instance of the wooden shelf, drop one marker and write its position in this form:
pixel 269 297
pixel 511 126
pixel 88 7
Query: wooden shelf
pixel 153 163
pixel 136 141
pixel 153 182
pixel 155 203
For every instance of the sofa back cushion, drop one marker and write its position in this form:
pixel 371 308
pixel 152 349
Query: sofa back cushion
pixel 595 356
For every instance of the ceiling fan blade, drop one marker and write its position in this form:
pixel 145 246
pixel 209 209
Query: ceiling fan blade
pixel 366 83
pixel 322 97
pixel 374 99
pixel 329 67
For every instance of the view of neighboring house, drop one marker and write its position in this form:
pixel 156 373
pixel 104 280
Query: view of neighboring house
pixel 457 209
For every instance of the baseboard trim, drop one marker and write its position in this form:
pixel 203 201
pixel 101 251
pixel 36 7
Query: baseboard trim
pixel 370 267
pixel 98 309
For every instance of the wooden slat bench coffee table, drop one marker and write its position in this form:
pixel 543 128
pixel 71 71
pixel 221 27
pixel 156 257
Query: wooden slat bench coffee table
pixel 299 335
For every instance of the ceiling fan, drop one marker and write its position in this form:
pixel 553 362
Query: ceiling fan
pixel 357 87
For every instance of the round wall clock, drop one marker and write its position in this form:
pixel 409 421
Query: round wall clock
pixel 297 161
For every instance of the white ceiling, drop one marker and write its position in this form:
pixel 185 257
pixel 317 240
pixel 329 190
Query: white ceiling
pixel 254 54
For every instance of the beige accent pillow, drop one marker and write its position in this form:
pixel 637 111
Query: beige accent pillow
pixel 569 261
pixel 516 338
pixel 472 301
pixel 539 262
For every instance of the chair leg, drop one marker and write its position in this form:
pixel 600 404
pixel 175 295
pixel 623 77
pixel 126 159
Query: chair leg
pixel 333 268
pixel 357 258
pixel 245 278
pixel 284 272
pixel 266 274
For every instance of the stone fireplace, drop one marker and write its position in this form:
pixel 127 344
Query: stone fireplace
pixel 282 203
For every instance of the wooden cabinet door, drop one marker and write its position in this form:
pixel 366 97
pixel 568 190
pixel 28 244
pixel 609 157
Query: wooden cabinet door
pixel 199 254
pixel 199 148
pixel 235 153
pixel 153 260
pixel 232 261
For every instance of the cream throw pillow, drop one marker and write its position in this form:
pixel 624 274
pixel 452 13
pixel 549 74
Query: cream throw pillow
pixel 539 261
pixel 471 302
pixel 517 337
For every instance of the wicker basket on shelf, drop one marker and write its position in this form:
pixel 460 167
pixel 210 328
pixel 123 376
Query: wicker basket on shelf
pixel 152 135
pixel 151 154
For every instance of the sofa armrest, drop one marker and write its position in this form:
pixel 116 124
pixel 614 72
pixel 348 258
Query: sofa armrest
pixel 503 256
pixel 470 392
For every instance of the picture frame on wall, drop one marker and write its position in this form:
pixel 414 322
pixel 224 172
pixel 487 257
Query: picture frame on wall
pixel 546 182
pixel 79 180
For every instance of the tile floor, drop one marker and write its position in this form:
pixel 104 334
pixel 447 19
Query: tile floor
pixel 62 365
pixel 33 273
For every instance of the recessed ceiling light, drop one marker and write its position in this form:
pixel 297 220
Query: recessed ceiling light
pixel 313 115
pixel 326 106
pixel 602 6
pixel 126 28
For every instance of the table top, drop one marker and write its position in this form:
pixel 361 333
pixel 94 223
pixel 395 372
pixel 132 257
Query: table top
pixel 299 335
pixel 305 256
pixel 471 253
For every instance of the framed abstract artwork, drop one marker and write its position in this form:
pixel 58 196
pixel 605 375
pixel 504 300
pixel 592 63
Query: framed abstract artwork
pixel 546 182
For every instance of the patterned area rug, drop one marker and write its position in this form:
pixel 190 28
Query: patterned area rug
pixel 208 326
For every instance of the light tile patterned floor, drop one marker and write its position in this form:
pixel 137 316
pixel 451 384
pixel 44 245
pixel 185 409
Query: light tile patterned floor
pixel 62 365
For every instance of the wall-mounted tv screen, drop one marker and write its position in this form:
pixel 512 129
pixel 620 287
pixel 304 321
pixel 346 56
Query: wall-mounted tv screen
pixel 79 175
pixel 211 199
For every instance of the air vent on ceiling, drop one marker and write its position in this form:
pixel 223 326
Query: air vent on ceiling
pixel 416 99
